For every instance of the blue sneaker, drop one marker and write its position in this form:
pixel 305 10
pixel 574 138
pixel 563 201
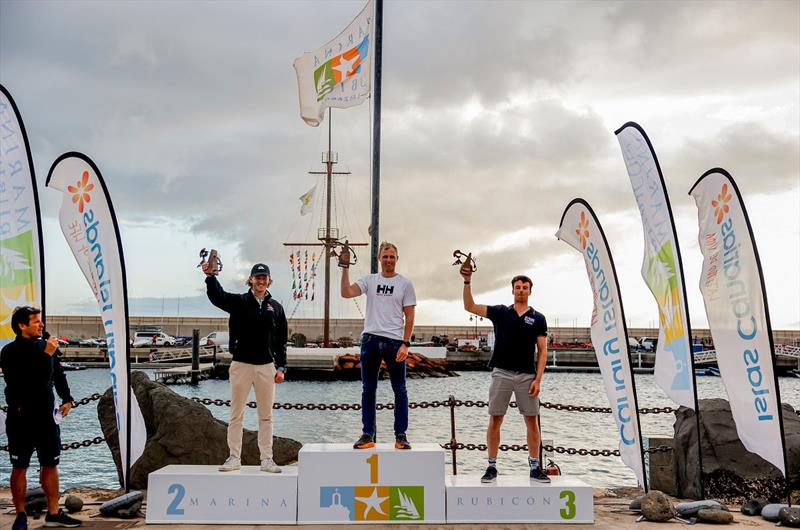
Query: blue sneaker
pixel 538 475
pixel 21 522
pixel 490 475
pixel 61 520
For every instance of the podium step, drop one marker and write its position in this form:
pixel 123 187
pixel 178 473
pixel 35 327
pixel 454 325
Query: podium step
pixel 517 499
pixel 180 494
pixel 340 484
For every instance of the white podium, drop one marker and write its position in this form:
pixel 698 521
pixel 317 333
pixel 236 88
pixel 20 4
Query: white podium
pixel 339 484
pixel 517 499
pixel 201 494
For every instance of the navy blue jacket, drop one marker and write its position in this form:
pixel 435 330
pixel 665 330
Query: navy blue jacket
pixel 258 332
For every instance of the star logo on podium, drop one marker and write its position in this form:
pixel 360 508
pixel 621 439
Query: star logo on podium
pixel 372 501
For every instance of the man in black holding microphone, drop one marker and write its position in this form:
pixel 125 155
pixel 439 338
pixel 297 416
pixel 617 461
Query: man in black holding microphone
pixel 31 369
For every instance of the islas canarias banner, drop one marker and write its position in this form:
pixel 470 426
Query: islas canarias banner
pixel 337 74
pixel 580 229
pixel 90 227
pixel 21 257
pixel 662 269
pixel 738 317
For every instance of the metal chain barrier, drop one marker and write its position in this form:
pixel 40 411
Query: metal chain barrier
pixel 390 406
pixel 425 405
pixel 553 449
pixel 75 404
pixel 451 403
pixel 73 445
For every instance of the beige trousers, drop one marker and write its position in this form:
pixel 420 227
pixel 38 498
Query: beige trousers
pixel 243 376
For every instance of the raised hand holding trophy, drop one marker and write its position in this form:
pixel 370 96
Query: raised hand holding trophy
pixel 213 265
pixel 467 262
pixel 347 254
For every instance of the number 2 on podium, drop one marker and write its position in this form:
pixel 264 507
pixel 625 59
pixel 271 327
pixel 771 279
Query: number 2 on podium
pixel 373 468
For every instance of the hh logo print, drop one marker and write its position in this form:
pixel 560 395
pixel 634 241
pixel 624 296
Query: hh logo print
pixel 386 290
pixel 530 320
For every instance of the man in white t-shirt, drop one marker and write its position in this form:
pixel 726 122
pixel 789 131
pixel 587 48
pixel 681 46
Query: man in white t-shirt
pixel 387 330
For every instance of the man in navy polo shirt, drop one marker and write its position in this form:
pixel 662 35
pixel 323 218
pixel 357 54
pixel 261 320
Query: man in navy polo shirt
pixel 517 363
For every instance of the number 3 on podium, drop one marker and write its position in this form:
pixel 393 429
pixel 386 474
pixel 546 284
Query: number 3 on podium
pixel 373 468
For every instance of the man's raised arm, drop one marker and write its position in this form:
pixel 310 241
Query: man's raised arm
pixel 349 290
pixel 469 302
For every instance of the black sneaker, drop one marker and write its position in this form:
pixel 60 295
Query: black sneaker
pixel 401 442
pixel 61 520
pixel 365 442
pixel 539 476
pixel 490 475
pixel 21 522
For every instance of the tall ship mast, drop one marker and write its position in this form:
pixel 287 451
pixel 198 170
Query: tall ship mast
pixel 327 236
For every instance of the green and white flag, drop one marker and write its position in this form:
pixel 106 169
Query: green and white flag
pixel 661 268
pixel 338 74
pixel 21 261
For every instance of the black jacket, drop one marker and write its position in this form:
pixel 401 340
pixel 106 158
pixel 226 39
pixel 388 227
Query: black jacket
pixel 30 376
pixel 258 333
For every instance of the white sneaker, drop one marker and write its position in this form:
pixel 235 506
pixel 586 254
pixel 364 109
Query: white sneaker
pixel 268 465
pixel 231 464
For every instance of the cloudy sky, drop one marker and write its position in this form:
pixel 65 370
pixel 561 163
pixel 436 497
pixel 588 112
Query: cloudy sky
pixel 495 116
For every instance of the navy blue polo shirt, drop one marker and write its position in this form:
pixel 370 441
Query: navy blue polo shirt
pixel 515 338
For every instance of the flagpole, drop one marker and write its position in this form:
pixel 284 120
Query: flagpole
pixel 376 139
pixel 328 242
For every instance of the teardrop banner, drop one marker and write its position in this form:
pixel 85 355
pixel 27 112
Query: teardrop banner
pixel 90 227
pixel 733 290
pixel 581 230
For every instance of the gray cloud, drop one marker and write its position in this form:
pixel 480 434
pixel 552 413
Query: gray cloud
pixel 494 114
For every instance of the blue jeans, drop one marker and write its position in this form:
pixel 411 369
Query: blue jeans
pixel 375 349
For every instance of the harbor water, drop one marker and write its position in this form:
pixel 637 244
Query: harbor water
pixel 93 466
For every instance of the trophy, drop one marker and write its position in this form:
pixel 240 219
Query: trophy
pixel 349 257
pixel 466 261
pixel 214 263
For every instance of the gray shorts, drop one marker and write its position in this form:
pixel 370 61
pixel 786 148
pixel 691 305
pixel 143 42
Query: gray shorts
pixel 504 382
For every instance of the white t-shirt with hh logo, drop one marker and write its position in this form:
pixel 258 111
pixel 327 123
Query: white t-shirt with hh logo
pixel 386 298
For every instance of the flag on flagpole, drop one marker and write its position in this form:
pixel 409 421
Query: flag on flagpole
pixel 580 229
pixel 90 227
pixel 307 200
pixel 337 74
pixel 21 263
pixel 21 255
pixel 661 268
pixel 738 317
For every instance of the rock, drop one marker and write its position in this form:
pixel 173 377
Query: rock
pixel 724 456
pixel 754 505
pixel 771 512
pixel 657 507
pixel 715 516
pixel 130 512
pixel 690 509
pixel 35 501
pixel 73 503
pixel 636 504
pixel 180 431
pixel 790 517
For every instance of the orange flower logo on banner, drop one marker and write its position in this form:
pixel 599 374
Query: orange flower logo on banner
pixel 80 192
pixel 583 229
pixel 721 203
